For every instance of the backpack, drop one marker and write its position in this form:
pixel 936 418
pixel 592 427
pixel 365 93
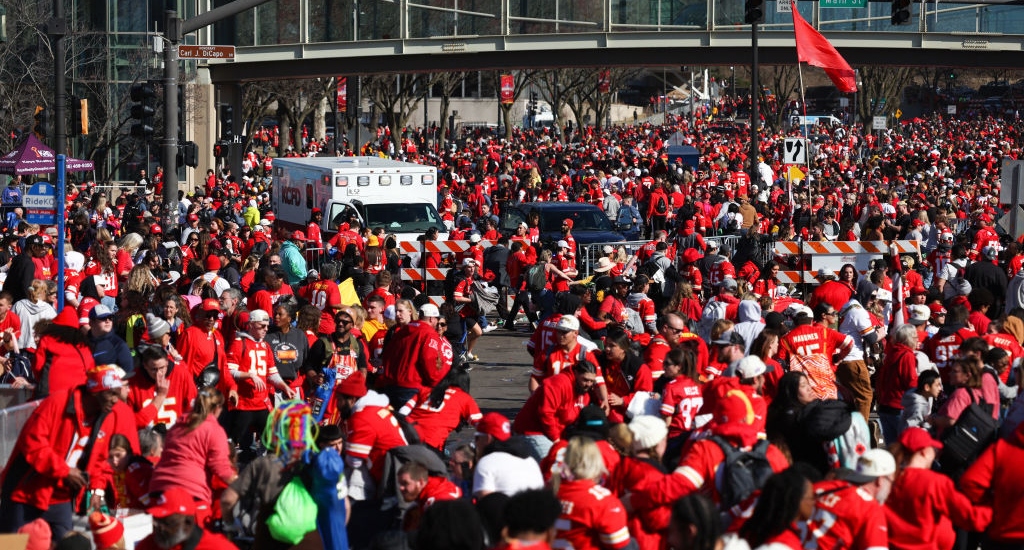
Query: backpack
pixel 743 472
pixel 661 207
pixel 732 224
pixel 713 311
pixel 452 280
pixel 536 278
pixel 973 432
pixel 132 213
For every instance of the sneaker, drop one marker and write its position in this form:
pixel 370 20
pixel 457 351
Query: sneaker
pixel 471 357
pixel 490 328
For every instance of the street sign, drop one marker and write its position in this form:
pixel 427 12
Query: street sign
pixel 186 51
pixel 40 204
pixel 796 151
pixel 878 123
pixel 784 6
pixel 898 114
pixel 843 3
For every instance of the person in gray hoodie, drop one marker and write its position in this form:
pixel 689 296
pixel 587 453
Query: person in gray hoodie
pixel 32 309
pixel 917 403
pixel 750 323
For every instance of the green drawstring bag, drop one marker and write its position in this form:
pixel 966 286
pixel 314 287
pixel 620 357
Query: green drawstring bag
pixel 294 513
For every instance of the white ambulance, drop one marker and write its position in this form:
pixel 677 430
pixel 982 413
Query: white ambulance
pixel 399 196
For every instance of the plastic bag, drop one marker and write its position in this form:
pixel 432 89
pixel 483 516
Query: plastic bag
pixel 294 513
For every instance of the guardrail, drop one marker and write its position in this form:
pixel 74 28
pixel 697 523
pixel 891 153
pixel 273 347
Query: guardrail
pixel 12 419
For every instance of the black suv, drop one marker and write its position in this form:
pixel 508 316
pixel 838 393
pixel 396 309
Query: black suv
pixel 590 224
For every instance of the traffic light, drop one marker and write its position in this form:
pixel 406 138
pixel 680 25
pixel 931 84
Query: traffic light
pixel 227 121
pixel 754 12
pixel 42 122
pixel 143 111
pixel 188 154
pixel 900 12
pixel 220 149
pixel 79 117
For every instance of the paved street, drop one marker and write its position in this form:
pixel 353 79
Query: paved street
pixel 500 377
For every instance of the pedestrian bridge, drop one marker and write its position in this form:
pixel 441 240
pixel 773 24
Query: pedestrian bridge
pixel 313 38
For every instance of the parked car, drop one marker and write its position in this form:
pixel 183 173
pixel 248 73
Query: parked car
pixel 590 225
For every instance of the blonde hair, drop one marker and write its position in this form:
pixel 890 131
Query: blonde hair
pixel 207 400
pixel 719 327
pixel 406 303
pixel 37 290
pixel 131 242
pixel 620 436
pixel 583 459
pixel 358 315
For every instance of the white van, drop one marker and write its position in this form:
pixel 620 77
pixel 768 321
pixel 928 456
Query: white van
pixel 399 196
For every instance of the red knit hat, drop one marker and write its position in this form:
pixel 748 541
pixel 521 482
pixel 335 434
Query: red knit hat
pixel 212 263
pixel 106 530
pixel 68 318
pixel 39 534
pixel 353 386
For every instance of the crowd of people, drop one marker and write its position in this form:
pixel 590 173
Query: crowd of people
pixel 248 383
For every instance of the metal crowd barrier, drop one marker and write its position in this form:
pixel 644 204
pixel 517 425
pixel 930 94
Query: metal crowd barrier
pixel 12 419
pixel 587 255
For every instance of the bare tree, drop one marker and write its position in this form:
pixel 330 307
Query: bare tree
pixel 395 97
pixel 881 83
pixel 294 100
pixel 601 102
pixel 784 82
pixel 445 83
pixel 556 88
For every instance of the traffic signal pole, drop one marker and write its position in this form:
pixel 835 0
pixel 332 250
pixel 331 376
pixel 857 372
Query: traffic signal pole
pixel 175 29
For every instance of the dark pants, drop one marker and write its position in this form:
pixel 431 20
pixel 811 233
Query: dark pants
pixel 399 396
pixel 14 515
pixel 239 425
pixel 522 301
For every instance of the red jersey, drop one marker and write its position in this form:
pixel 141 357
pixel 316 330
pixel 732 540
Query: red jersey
pixel 542 340
pixel 1008 343
pixel 326 296
pixel 177 403
pixel 557 360
pixel 811 349
pixel 592 518
pixel 615 309
pixel 680 401
pixel 551 408
pixel 833 293
pixel 11 321
pixel 199 348
pixel 654 355
pixel 923 508
pixel 845 516
pixel 434 424
pixel 266 300
pixel 943 347
pixel 720 271
pixel 647 525
pixel 372 432
pixel 313 235
pixel 248 355
pixel 416 356
pixel 564 264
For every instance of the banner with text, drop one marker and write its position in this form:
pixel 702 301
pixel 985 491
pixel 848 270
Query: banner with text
pixel 604 81
pixel 508 89
pixel 342 94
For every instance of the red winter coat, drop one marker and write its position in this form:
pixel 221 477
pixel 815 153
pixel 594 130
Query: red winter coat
pixel 999 482
pixel 647 525
pixel 60 366
pixel 923 508
pixel 39 461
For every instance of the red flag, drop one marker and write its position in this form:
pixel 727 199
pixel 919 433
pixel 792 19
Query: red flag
pixel 814 49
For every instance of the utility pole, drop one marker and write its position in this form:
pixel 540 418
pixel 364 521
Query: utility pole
pixel 57 28
pixel 755 115
pixel 175 29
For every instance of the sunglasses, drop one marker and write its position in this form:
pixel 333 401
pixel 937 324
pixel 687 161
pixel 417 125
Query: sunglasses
pixel 343 320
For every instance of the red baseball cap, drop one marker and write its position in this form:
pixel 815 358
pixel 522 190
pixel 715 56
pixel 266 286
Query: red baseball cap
pixel 269 216
pixel 193 217
pixel 567 222
pixel 210 304
pixel 937 309
pixel 914 439
pixel 298 236
pixel 173 500
pixel 156 229
pixel 495 425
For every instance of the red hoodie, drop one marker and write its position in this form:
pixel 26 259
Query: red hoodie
pixel 999 483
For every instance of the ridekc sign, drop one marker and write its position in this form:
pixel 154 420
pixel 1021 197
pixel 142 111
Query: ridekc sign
pixel 40 204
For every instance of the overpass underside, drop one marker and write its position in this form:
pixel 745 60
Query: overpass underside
pixel 311 38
